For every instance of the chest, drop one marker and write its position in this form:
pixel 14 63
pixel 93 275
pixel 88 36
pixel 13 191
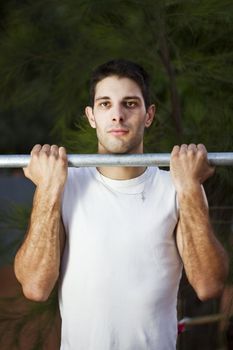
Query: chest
pixel 107 227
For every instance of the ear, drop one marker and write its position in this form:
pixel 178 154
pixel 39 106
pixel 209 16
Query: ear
pixel 90 116
pixel 150 114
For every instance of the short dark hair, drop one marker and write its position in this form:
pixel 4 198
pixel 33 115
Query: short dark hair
pixel 123 69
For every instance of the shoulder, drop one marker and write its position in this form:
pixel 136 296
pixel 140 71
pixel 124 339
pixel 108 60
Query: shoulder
pixel 75 178
pixel 165 174
pixel 162 178
pixel 165 188
pixel 79 179
pixel 75 174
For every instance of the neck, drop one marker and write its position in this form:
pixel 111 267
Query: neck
pixel 121 173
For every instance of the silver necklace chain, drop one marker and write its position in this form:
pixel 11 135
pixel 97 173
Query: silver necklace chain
pixel 114 191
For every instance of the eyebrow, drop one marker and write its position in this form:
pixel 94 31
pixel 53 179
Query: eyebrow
pixel 132 98
pixel 125 98
pixel 102 98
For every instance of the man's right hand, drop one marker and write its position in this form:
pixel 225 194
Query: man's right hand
pixel 37 262
pixel 47 166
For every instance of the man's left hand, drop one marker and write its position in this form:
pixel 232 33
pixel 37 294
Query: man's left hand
pixel 189 166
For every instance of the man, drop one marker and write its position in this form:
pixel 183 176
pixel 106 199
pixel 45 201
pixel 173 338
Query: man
pixel 122 234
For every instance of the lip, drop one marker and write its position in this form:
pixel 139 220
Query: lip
pixel 118 132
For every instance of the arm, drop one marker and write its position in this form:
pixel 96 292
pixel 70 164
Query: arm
pixel 205 261
pixel 37 262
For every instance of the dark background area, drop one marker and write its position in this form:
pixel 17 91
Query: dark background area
pixel 47 51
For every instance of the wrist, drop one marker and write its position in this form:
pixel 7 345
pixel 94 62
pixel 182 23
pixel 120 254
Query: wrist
pixel 51 191
pixel 193 196
pixel 189 188
pixel 47 201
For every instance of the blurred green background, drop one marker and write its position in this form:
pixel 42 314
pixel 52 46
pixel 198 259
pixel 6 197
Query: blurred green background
pixel 47 51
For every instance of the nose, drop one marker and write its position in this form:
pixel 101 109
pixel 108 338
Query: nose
pixel 117 114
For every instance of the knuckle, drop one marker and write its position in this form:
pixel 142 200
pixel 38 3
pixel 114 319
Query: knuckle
pixel 174 157
pixel 35 149
pixel 45 148
pixel 54 148
pixel 62 162
pixel 38 145
pixel 201 154
pixel 182 155
pixel 192 147
pixel 175 149
pixel 191 153
pixel 201 145
pixel 62 150
pixel 52 156
pixel 43 155
pixel 34 158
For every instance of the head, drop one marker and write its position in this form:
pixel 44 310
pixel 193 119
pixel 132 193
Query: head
pixel 120 108
pixel 122 69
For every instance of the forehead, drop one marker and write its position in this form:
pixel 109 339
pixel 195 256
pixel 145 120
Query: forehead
pixel 119 87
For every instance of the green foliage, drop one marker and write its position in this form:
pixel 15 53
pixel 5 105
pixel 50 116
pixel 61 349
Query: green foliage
pixel 14 220
pixel 47 52
pixel 15 217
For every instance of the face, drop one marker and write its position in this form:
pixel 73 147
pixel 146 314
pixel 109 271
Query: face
pixel 119 115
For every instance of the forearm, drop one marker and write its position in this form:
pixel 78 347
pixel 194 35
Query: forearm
pixel 38 260
pixel 204 258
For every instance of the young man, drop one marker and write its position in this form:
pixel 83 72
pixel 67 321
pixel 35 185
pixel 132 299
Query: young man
pixel 122 234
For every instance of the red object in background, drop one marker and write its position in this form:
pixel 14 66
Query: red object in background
pixel 181 327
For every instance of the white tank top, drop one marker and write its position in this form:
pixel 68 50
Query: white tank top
pixel 120 269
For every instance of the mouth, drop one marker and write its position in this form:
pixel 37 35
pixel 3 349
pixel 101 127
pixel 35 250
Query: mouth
pixel 118 132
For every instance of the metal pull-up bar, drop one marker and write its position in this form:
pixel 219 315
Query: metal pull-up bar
pixel 128 160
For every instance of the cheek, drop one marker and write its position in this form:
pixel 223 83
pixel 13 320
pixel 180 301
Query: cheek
pixel 140 125
pixel 100 125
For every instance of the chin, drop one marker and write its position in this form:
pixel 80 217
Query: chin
pixel 119 148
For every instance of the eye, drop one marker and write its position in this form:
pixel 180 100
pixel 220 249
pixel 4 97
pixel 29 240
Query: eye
pixel 131 104
pixel 104 104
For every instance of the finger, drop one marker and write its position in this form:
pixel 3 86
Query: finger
pixel 202 148
pixel 46 148
pixel 175 150
pixel 36 149
pixel 62 153
pixel 204 155
pixel 54 151
pixel 202 152
pixel 183 148
pixel 192 149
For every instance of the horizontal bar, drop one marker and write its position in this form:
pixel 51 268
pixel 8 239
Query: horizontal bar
pixel 194 321
pixel 127 160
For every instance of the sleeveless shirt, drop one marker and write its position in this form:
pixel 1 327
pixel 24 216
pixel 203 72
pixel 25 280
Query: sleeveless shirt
pixel 120 269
